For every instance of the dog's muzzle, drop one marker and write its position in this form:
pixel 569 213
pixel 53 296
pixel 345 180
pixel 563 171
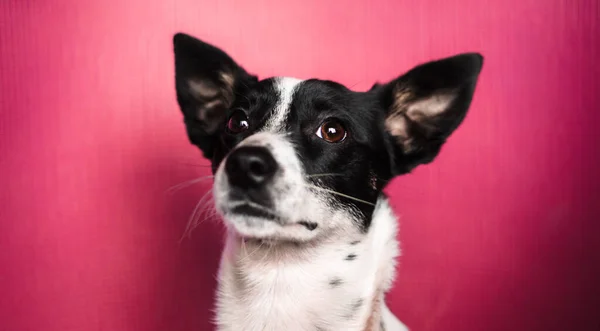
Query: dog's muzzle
pixel 259 187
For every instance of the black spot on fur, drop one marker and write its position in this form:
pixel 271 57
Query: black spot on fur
pixel 335 282
pixel 309 225
pixel 350 257
pixel 354 307
pixel 381 326
pixel 357 304
pixel 355 242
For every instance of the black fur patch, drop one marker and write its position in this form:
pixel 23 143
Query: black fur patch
pixel 335 282
pixel 354 307
pixel 351 257
pixel 309 225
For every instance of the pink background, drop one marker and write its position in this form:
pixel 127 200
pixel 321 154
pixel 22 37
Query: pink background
pixel 500 233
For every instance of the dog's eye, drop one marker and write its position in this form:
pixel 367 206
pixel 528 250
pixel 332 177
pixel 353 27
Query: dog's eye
pixel 332 131
pixel 238 122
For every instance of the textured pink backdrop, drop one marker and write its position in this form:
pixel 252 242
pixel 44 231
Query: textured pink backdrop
pixel 501 233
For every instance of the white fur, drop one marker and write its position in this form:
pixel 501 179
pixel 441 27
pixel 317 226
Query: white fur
pixel 285 87
pixel 286 286
pixel 277 275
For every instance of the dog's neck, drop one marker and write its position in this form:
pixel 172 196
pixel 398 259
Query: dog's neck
pixel 337 283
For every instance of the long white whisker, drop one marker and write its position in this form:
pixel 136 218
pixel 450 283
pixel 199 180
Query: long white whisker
pixel 340 194
pixel 197 165
pixel 334 175
pixel 185 184
pixel 190 224
pixel 211 214
pixel 207 209
pixel 247 256
pixel 324 175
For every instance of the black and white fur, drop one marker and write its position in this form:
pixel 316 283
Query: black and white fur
pixel 311 241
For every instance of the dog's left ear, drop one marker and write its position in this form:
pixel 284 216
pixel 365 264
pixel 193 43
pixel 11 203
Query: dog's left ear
pixel 207 81
pixel 424 106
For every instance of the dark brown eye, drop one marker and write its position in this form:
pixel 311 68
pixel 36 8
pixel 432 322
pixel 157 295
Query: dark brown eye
pixel 238 122
pixel 332 131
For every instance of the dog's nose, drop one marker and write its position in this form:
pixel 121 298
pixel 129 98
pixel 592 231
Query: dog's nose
pixel 250 166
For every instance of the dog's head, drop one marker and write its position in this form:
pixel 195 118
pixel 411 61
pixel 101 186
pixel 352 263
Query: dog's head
pixel 295 159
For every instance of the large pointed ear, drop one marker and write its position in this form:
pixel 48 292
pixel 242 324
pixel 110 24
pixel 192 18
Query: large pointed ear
pixel 207 81
pixel 424 106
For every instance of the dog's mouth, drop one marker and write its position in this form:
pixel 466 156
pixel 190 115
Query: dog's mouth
pixel 255 210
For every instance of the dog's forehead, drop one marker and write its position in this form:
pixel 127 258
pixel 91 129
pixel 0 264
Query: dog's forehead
pixel 284 89
pixel 282 94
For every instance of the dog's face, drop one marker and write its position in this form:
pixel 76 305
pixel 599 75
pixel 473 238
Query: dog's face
pixel 298 159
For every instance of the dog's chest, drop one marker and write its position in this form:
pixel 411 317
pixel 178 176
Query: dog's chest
pixel 335 286
pixel 315 296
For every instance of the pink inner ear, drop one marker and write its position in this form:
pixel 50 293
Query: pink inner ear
pixel 429 107
pixel 202 90
pixel 209 110
pixel 417 111
pixel 211 100
pixel 397 125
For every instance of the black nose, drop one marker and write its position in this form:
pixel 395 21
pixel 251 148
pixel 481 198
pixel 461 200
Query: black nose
pixel 250 166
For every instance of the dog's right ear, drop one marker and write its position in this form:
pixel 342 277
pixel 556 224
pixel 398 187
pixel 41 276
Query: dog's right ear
pixel 425 105
pixel 206 80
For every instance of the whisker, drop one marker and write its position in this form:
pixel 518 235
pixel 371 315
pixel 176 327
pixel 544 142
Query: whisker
pixel 194 164
pixel 341 194
pixel 243 245
pixel 324 175
pixel 212 215
pixel 190 224
pixel 340 175
pixel 246 257
pixel 208 210
pixel 212 212
pixel 268 247
pixel 185 184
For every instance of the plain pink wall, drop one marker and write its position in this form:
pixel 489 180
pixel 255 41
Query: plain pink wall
pixel 500 233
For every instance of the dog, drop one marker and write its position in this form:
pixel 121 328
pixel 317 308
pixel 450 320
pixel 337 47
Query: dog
pixel 299 170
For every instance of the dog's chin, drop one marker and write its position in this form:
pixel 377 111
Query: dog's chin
pixel 251 223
